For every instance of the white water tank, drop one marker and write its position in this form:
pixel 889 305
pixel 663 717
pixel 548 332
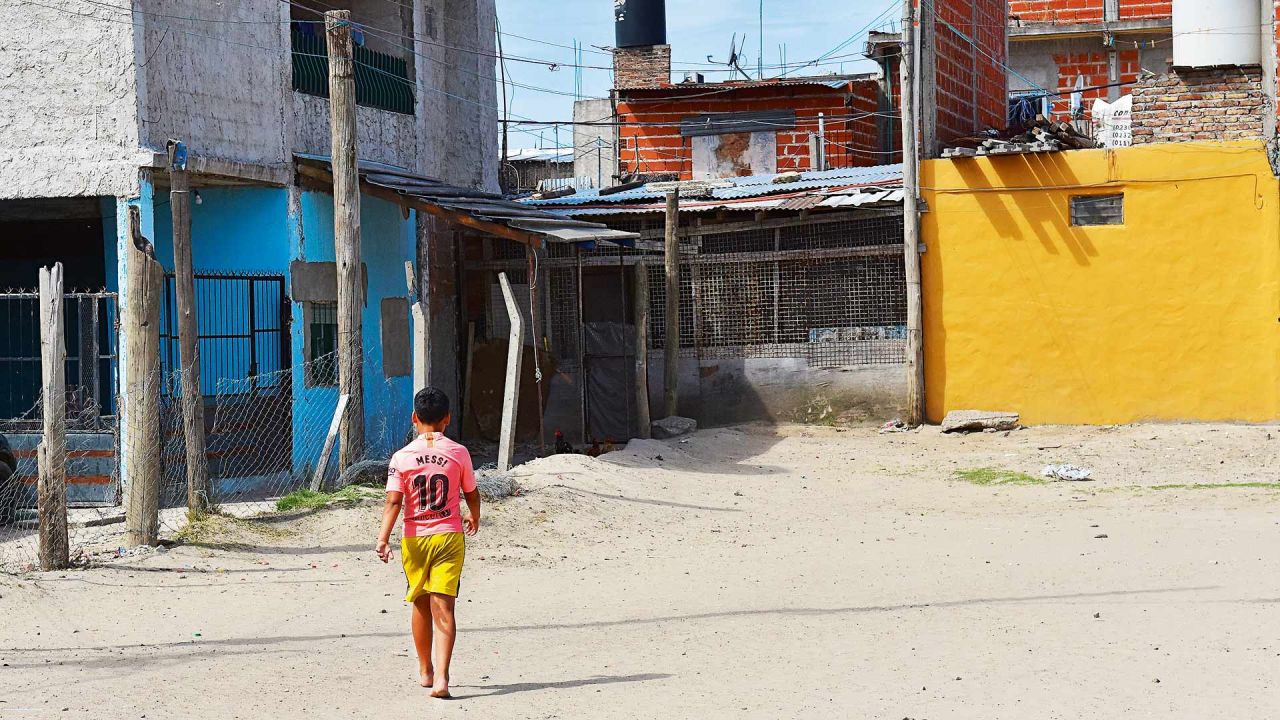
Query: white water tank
pixel 1217 32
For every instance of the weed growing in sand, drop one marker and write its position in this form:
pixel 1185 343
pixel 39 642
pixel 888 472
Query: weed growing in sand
pixel 210 527
pixel 306 499
pixel 997 476
pixel 1215 486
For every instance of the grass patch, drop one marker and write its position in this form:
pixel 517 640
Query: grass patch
pixel 1215 486
pixel 998 476
pixel 204 528
pixel 306 499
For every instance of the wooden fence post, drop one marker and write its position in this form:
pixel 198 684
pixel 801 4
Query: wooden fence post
pixel 642 348
pixel 317 479
pixel 511 391
pixel 51 454
pixel 671 368
pixel 140 398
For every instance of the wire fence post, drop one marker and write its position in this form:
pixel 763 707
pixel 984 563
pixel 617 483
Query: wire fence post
pixel 511 391
pixel 51 487
pixel 317 480
pixel 140 398
pixel 671 367
pixel 642 349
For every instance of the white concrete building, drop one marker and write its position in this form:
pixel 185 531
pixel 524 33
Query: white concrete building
pixel 90 93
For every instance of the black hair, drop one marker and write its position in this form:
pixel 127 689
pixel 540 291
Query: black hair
pixel 431 405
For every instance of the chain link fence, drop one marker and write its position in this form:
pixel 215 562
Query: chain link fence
pixel 265 437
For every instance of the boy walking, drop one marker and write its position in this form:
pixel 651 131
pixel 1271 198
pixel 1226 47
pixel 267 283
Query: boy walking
pixel 427 478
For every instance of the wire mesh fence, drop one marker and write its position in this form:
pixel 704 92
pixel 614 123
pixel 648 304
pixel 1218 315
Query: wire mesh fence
pixel 831 293
pixel 87 477
pixel 267 437
pixel 265 434
pixel 822 293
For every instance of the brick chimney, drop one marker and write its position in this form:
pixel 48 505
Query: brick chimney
pixel 647 66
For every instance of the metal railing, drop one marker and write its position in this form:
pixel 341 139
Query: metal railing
pixel 90 336
pixel 382 80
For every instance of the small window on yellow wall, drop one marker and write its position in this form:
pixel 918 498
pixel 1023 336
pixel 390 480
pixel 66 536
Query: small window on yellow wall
pixel 1097 209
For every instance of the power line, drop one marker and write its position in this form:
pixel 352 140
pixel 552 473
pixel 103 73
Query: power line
pixel 851 39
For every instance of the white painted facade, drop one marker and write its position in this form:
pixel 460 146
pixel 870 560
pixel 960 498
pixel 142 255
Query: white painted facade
pixel 88 92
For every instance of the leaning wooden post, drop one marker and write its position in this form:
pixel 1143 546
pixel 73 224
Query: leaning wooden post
pixel 671 364
pixel 140 326
pixel 346 232
pixel 317 479
pixel 511 390
pixel 642 348
pixel 188 337
pixel 418 316
pixel 51 454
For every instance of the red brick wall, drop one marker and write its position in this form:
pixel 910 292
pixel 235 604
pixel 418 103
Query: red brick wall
pixel 1086 11
pixel 641 67
pixel 851 134
pixel 971 81
pixel 1145 9
pixel 1093 66
pixel 1203 104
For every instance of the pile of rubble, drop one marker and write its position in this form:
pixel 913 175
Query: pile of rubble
pixel 1042 135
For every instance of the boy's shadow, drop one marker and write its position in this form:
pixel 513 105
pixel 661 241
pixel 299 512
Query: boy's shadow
pixel 496 690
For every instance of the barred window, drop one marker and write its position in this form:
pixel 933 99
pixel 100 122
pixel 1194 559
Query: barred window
pixel 322 343
pixel 1097 210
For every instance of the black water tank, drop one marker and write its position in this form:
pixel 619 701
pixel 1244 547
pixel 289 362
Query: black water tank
pixel 638 23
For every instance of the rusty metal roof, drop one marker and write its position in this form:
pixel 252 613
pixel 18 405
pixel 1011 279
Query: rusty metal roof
pixel 479 209
pixel 835 82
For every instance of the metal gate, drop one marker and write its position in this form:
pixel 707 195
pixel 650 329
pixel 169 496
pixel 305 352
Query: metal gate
pixel 89 331
pixel 243 322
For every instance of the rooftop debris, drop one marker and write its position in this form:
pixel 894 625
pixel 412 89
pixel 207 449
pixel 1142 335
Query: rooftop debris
pixel 1041 135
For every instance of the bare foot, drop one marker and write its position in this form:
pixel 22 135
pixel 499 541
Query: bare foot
pixel 441 691
pixel 426 680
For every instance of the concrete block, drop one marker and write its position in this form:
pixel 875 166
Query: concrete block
pixel 979 420
pixel 672 427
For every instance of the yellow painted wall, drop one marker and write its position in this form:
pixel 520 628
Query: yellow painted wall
pixel 1174 315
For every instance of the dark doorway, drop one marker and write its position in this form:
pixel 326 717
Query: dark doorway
pixel 609 351
pixel 39 233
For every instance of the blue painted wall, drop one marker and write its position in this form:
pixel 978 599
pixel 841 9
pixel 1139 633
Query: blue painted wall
pixel 241 229
pixel 387 240
pixel 256 230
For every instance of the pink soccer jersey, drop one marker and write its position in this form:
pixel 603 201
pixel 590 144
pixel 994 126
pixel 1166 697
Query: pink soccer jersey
pixel 432 472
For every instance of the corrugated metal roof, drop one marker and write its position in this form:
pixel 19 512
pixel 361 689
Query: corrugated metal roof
pixel 832 81
pixel 845 198
pixel 554 155
pixel 484 206
pixel 741 187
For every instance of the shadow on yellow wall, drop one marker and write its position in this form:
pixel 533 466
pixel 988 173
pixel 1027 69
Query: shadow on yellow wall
pixel 1172 315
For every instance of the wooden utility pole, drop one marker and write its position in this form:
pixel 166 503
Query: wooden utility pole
pixel 51 453
pixel 642 349
pixel 671 364
pixel 911 213
pixel 188 337
pixel 346 232
pixel 140 327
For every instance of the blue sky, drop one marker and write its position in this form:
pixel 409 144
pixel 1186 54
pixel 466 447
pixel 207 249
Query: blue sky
pixel 695 29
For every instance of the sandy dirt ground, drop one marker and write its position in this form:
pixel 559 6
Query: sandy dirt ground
pixel 747 572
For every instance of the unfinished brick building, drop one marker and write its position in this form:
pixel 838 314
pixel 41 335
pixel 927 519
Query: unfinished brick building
pixel 1060 46
pixel 699 130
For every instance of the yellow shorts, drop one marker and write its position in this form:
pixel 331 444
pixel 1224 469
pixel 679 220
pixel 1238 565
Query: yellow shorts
pixel 432 564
